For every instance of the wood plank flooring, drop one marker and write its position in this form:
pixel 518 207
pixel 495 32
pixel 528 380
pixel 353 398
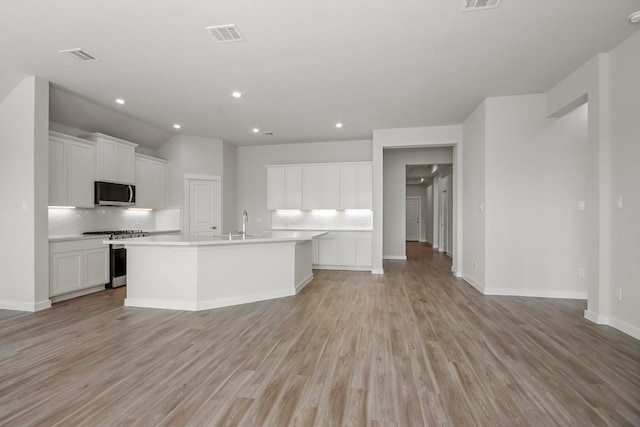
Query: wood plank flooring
pixel 415 347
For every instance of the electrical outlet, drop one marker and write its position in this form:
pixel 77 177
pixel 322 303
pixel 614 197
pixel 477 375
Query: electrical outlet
pixel 580 205
pixel 581 272
pixel 619 202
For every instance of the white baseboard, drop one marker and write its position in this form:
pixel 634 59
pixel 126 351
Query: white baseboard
pixel 423 241
pixel 596 318
pixel 622 326
pixel 304 282
pixel 79 293
pixel 207 305
pixel 473 283
pixel 342 267
pixel 25 306
pixel 395 257
pixel 625 327
pixel 377 271
pixel 536 293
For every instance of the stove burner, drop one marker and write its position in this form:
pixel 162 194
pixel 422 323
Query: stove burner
pixel 118 234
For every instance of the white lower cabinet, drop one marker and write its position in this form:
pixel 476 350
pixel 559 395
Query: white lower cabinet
pixel 66 272
pixel 77 265
pixel 343 250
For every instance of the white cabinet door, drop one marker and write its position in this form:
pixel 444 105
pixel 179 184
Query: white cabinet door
pixel 126 164
pixel 275 188
pixel 365 187
pixel 144 183
pixel 57 173
pixel 71 171
pixel 346 252
pixel 328 251
pixel 330 187
pixel 96 262
pixel 67 273
pixel 159 177
pixel 80 175
pixel 293 187
pixel 364 253
pixel 108 160
pixel 348 187
pixel 312 187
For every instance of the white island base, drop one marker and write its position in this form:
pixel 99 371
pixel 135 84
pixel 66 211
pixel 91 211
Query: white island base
pixel 201 275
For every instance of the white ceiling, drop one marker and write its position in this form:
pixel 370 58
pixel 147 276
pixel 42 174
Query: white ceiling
pixel 305 65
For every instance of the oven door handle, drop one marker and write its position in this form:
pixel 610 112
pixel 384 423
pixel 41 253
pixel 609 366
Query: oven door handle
pixel 114 247
pixel 130 193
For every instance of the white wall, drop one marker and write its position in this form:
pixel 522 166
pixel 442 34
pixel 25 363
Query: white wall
pixel 24 166
pixel 394 184
pixel 429 214
pixel 536 172
pixel 231 220
pixel 190 155
pixel 625 182
pixel 473 219
pixel 252 171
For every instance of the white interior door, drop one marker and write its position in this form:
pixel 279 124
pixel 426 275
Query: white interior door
pixel 413 219
pixel 444 222
pixel 204 208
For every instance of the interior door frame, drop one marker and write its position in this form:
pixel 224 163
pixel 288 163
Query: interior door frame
pixel 186 201
pixel 419 217
pixel 444 222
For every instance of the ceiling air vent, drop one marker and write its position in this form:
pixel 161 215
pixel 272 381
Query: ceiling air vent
pixel 471 5
pixel 79 55
pixel 268 133
pixel 225 33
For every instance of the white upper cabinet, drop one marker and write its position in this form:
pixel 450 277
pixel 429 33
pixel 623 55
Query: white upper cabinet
pixel 284 188
pixel 151 182
pixel 320 186
pixel 115 161
pixel 356 186
pixel 71 171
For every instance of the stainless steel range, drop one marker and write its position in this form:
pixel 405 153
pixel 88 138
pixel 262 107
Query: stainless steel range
pixel 118 254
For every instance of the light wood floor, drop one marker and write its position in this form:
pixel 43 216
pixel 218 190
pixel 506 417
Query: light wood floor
pixel 414 347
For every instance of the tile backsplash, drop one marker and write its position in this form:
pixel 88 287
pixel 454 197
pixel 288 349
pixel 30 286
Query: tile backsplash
pixel 67 222
pixel 322 220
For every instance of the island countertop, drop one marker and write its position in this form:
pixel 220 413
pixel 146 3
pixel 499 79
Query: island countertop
pixel 181 240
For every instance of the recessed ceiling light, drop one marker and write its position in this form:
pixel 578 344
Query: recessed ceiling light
pixel 338 125
pixel 635 17
pixel 120 101
pixel 177 126
pixel 256 130
pixel 236 94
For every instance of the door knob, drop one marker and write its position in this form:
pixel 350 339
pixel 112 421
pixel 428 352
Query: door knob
pixel 214 227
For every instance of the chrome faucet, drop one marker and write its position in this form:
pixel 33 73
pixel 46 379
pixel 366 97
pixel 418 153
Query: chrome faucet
pixel 245 220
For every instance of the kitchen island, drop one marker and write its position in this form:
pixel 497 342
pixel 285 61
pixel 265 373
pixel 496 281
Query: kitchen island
pixel 175 272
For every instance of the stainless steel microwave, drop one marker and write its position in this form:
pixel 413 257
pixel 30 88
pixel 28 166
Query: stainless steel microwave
pixel 111 194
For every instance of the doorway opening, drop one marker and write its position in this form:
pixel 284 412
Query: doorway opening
pixel 428 208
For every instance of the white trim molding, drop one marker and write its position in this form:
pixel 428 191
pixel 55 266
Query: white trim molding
pixel 618 324
pixel 395 257
pixel 536 293
pixel 25 306
pixel 473 283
